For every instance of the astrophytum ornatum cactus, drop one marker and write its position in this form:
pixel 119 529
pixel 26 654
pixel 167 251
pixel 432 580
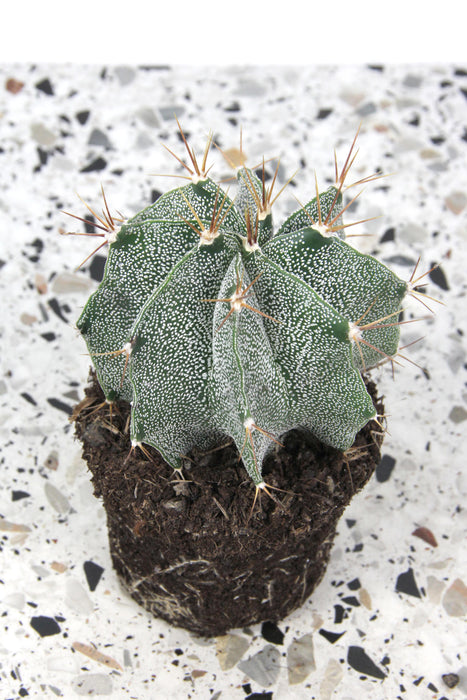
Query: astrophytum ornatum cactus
pixel 212 324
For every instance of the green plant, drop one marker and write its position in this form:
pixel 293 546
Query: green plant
pixel 211 323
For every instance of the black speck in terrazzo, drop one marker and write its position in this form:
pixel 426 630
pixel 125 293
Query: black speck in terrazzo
pixel 350 522
pixel 96 268
pixel 271 633
pixel 351 600
pixel 331 637
pixel 18 495
pixel 260 176
pixel 38 245
pixel 388 235
pixel 450 679
pixel 358 659
pixel 95 165
pixel 43 158
pixel 83 116
pixel 233 107
pixel 339 614
pixel 415 121
pixel 45 626
pixel 432 687
pixel 323 113
pixel 155 194
pixel 89 223
pixel 464 92
pixel 438 277
pixel 27 397
pixel 354 585
pixel 93 574
pixel 49 337
pixel 57 309
pixel 60 405
pixel 45 86
pixel 385 468
pixel 406 584
pixel 378 68
pixel 260 696
pixel 22 692
pixel 186 134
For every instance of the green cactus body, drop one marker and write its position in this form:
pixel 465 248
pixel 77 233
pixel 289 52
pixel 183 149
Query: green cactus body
pixel 212 324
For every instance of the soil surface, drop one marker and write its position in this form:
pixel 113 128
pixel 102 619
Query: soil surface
pixel 191 547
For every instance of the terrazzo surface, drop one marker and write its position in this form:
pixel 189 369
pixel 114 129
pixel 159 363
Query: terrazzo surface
pixel 388 620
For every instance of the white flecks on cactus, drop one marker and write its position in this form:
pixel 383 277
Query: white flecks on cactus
pixel 212 324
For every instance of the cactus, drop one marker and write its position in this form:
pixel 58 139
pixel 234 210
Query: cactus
pixel 212 323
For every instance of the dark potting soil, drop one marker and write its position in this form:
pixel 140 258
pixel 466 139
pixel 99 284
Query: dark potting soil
pixel 191 548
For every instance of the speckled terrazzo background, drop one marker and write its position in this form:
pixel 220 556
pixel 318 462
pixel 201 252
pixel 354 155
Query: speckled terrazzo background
pixel 388 620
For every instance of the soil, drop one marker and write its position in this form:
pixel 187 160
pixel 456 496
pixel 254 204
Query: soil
pixel 191 548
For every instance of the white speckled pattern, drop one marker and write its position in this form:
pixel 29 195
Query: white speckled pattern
pixel 388 620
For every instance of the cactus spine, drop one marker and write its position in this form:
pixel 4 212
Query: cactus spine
pixel 211 323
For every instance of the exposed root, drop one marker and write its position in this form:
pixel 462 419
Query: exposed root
pixel 87 402
pixel 214 449
pixel 263 486
pixel 221 508
pixel 346 462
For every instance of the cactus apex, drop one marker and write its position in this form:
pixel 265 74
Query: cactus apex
pixel 264 199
